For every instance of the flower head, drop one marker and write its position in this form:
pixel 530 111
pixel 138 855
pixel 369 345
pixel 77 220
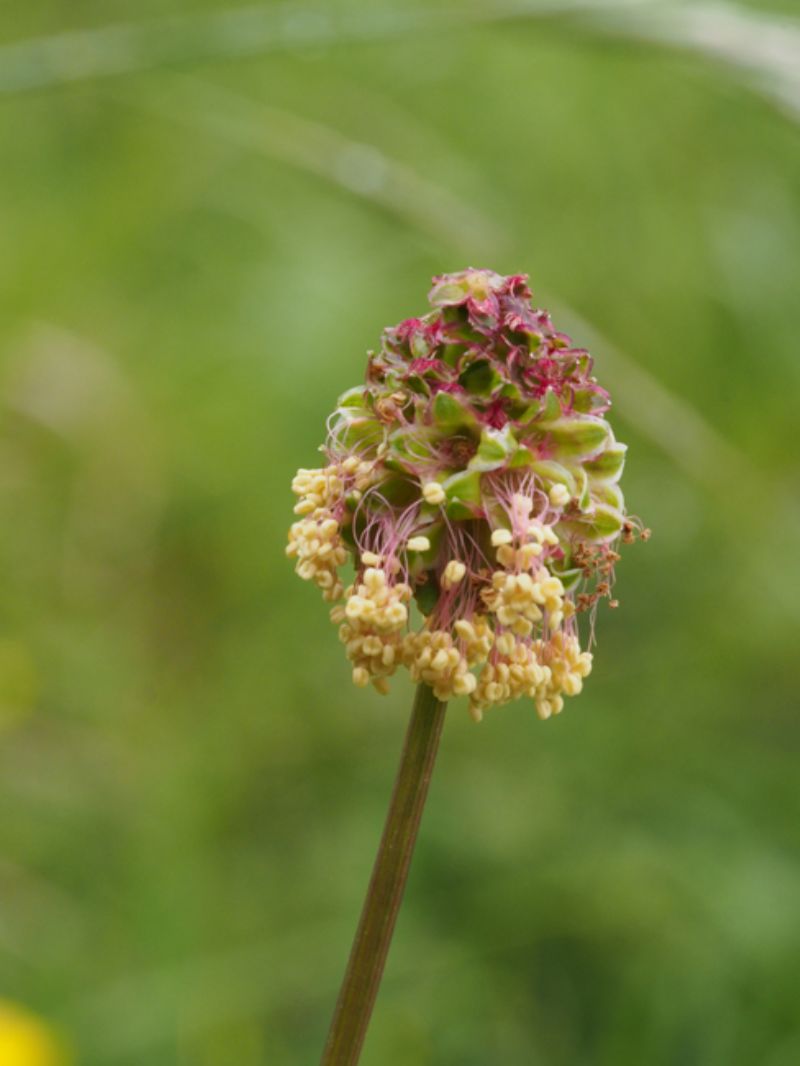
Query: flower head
pixel 473 473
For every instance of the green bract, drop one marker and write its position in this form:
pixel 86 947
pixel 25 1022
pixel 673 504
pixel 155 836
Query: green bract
pixel 478 391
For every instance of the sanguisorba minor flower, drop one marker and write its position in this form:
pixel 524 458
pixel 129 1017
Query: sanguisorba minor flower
pixel 475 475
pixel 472 481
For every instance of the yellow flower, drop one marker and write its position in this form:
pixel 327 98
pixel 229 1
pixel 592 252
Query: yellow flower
pixel 26 1040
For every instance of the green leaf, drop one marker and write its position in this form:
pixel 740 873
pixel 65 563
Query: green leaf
pixel 495 449
pixel 427 596
pixel 549 471
pixel 608 465
pixel 547 408
pixel 552 406
pixel 576 437
pixel 606 521
pixel 447 292
pixel 531 412
pixel 511 391
pixel 407 447
pixel 521 457
pixel 480 378
pixel 582 488
pixel 609 494
pixel 600 524
pixel 450 414
pixel 355 397
pixel 463 491
pixel 356 432
pixel 586 400
pixel 420 348
pixel 399 491
pixel 554 473
pixel 451 353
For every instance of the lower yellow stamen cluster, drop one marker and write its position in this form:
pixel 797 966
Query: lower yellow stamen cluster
pixel 515 672
pixel 568 664
pixel 545 671
pixel 317 545
pixel 513 646
pixel 315 541
pixel 373 620
pixel 520 595
pixel 443 661
pixel 519 600
pixel 324 488
pixel 432 656
pixel 477 637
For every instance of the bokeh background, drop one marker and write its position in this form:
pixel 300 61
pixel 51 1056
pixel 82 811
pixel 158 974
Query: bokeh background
pixel 208 213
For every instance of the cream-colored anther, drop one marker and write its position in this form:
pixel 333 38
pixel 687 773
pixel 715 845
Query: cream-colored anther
pixel 522 505
pixel 418 544
pixel 374 579
pixel 504 643
pixel 440 660
pixel 501 536
pixel 516 672
pixel 432 657
pixel 318 548
pixel 478 638
pixel 453 573
pixel 318 489
pixel 432 492
pixel 517 599
pixel 526 554
pixel 567 667
pixel 360 677
pixel 358 607
pixel 395 615
pixel 376 615
pixel 541 534
pixel 544 708
pixel 506 556
pixel 559 495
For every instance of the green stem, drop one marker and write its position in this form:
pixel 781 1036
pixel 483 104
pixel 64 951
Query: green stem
pixel 385 892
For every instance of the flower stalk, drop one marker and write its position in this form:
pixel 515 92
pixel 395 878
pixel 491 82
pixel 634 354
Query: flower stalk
pixel 385 893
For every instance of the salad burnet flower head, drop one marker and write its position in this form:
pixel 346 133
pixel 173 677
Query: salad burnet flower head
pixel 473 482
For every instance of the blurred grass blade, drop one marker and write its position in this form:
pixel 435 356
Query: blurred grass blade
pixel 359 168
pixel 668 420
pixel 125 48
pixel 763 46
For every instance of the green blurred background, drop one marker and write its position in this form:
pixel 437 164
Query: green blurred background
pixel 205 222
